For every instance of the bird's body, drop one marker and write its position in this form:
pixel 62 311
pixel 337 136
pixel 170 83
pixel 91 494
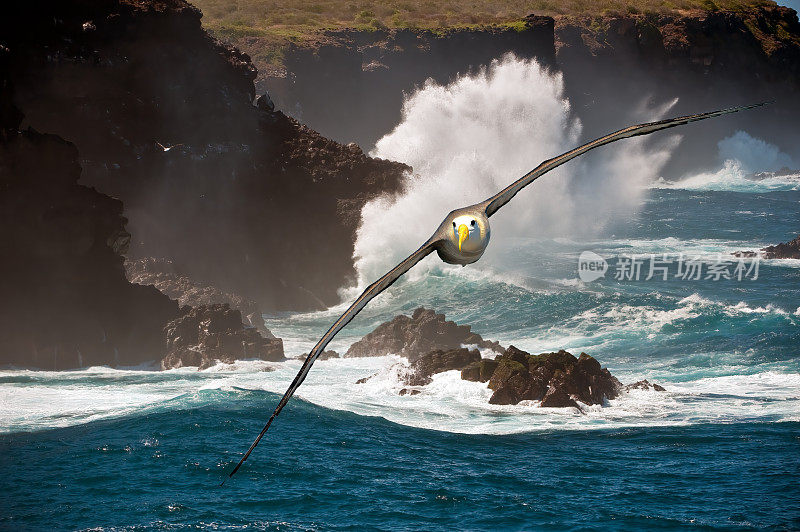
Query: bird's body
pixel 463 235
pixel 462 239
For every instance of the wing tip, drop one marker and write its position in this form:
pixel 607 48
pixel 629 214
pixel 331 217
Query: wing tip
pixel 750 106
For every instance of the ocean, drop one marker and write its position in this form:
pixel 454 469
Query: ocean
pixel 136 449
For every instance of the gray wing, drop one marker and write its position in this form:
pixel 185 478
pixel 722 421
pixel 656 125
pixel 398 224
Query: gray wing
pixel 372 290
pixel 493 204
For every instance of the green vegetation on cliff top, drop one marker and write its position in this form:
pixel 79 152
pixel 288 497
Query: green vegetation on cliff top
pixel 274 23
pixel 297 18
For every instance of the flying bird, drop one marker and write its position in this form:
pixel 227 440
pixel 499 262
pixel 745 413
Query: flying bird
pixel 167 148
pixel 462 238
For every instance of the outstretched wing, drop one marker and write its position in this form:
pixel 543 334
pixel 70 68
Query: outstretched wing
pixel 493 204
pixel 373 290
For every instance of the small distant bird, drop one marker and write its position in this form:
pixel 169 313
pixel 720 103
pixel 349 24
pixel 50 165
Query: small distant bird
pixel 462 238
pixel 167 148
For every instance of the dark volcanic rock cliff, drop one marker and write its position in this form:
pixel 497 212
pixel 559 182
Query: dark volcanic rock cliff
pixel 163 118
pixel 367 72
pixel 65 300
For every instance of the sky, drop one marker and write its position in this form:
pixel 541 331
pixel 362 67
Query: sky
pixel 794 4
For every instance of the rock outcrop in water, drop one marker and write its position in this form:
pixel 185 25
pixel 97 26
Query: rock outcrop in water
pixel 556 379
pixel 787 250
pixel 325 355
pixel 784 250
pixel 414 336
pixel 644 385
pixel 237 196
pixel 208 334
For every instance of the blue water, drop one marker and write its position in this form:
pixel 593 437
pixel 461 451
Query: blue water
pixel 140 450
pixel 336 470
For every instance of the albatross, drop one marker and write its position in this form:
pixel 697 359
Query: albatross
pixel 462 238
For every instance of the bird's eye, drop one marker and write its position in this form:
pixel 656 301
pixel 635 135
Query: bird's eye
pixel 454 224
pixel 472 223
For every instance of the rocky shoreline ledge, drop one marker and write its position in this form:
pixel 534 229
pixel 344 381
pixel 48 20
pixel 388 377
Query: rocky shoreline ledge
pixel 213 326
pixel 208 334
pixel 165 276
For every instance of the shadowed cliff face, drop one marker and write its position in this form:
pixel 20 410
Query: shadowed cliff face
pixel 66 301
pixel 243 198
pixel 612 66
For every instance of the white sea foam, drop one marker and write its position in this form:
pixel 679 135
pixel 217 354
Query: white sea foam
pixel 672 246
pixel 448 403
pixel 60 399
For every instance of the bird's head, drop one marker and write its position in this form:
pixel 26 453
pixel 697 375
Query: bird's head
pixel 466 237
pixel 466 233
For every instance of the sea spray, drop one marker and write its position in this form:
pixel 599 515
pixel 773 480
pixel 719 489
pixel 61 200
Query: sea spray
pixel 753 154
pixel 740 156
pixel 470 138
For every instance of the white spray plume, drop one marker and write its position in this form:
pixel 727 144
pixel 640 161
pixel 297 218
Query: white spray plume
pixel 469 139
pixel 740 156
pixel 753 154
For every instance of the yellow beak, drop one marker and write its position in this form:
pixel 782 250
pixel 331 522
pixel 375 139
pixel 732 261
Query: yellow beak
pixel 463 234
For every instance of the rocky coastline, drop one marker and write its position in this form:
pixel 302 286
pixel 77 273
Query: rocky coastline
pixel 128 132
pixel 236 195
pixel 164 276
